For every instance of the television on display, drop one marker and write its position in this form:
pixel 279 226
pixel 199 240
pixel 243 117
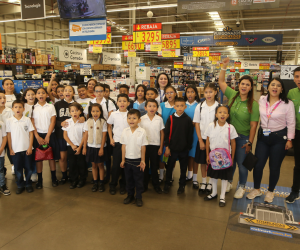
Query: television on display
pixel 76 9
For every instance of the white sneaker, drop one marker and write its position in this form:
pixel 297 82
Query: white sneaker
pixel 34 178
pixel 269 197
pixel 229 187
pixel 254 193
pixel 90 169
pixel 12 169
pixel 239 193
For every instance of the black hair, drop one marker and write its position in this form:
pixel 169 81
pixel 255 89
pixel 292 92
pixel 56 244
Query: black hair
pixel 81 86
pixel 192 86
pixel 76 105
pixel 60 87
pixel 18 102
pixel 158 76
pixel 179 99
pixel 42 89
pixel 213 86
pixel 106 86
pixel 296 70
pixel 134 112
pixel 123 95
pixel 93 81
pixel 124 86
pixel 99 85
pixel 282 95
pixel 151 100
pixel 136 90
pixel 25 92
pixel 219 106
pixel 152 89
pixel 6 79
pixel 18 96
pixel 169 87
pixel 98 106
pixel 2 91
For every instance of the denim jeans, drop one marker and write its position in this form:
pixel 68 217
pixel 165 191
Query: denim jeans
pixel 2 176
pixel 23 162
pixel 272 147
pixel 239 158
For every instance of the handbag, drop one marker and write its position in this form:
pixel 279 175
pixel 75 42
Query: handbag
pixel 220 158
pixel 250 161
pixel 166 158
pixel 43 152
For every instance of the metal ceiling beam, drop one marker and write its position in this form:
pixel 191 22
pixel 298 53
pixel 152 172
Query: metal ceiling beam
pixel 187 24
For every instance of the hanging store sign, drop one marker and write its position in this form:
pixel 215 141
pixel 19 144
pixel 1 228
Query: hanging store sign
pixel 196 6
pixel 147 33
pixel 32 9
pixel 131 53
pixel 108 38
pixel 95 48
pixel 264 66
pixel 178 65
pixel 68 54
pixel 227 33
pixel 170 41
pixel 155 46
pixel 127 44
pixel 111 58
pixel 214 57
pixel 200 51
pixel 237 65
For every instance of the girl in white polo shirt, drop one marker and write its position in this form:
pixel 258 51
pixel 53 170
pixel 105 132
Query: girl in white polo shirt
pixel 43 119
pixel 10 93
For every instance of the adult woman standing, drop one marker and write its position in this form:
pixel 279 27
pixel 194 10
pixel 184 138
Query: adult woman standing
pixel 277 130
pixel 162 81
pixel 244 116
pixel 90 88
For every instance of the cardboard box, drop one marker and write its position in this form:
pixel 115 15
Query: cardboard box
pixel 19 55
pixel 30 71
pixel 21 61
pixel 40 71
pixel 106 67
pixel 97 67
pixel 39 59
pixel 44 59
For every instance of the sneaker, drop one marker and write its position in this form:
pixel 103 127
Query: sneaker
pixel 12 169
pixel 34 177
pixel 292 197
pixel 254 193
pixel 229 187
pixel 239 193
pixel 90 169
pixel 4 190
pixel 269 197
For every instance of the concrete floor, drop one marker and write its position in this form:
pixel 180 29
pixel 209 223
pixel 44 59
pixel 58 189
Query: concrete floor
pixel 60 218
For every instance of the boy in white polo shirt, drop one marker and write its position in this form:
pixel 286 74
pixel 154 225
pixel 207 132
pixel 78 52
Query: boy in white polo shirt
pixel 134 141
pixel 20 140
pixel 118 119
pixel 154 126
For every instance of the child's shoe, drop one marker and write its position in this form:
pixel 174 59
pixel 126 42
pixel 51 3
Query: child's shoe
pixel 39 185
pixel 29 189
pixel 166 188
pixel 128 199
pixel 195 185
pixel 73 185
pixel 122 190
pixel 95 187
pixel 139 202
pixel 101 187
pixel 4 190
pixel 158 190
pixel 210 197
pixel 222 203
pixel 180 190
pixel 208 188
pixel 20 190
pixel 202 188
pixel 81 184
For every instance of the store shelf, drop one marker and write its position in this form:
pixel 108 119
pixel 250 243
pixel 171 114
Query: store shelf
pixel 23 64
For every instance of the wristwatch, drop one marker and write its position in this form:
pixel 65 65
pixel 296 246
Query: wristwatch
pixel 249 143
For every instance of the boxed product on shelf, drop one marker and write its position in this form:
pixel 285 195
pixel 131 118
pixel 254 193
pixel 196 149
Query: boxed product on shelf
pixel 97 67
pixel 106 67
pixel 44 59
pixel 30 71
pixel 8 73
pixel 40 71
pixel 19 60
pixel 75 67
pixel 39 59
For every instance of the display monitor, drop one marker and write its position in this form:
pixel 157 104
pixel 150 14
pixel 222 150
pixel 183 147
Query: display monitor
pixel 76 9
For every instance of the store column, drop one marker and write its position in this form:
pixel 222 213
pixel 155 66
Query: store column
pixel 131 59
pixel 297 49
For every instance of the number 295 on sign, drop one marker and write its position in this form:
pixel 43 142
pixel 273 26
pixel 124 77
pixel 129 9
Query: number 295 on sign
pixel 201 53
pixel 147 37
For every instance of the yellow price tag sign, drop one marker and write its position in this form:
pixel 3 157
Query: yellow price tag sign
pixel 147 36
pixel 166 53
pixel 155 47
pixel 107 41
pixel 131 53
pixel 201 53
pixel 97 48
pixel 171 44
pixel 129 45
pixel 214 58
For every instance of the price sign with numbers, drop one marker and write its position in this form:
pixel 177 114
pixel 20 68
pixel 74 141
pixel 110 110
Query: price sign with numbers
pixel 171 44
pixel 147 36
pixel 167 53
pixel 107 41
pixel 155 46
pixel 131 46
pixel 264 66
pixel 178 65
pixel 131 53
pixel 201 53
pixel 214 58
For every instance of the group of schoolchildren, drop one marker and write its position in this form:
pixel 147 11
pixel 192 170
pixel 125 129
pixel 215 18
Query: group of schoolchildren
pixel 144 137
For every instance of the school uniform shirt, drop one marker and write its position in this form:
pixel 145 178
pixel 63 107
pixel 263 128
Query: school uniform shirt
pixel 167 110
pixel 111 107
pixel 42 117
pixel 119 120
pixel 140 107
pixel 19 132
pixel 134 142
pixel 218 135
pixel 28 110
pixel 6 114
pixel 104 129
pixel 207 115
pixel 9 100
pixel 152 128
pixel 75 131
pixel 2 134
pixel 83 102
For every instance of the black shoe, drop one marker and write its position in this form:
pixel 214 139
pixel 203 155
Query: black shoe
pixel 139 202
pixel 63 181
pixel 208 198
pixel 101 187
pixel 188 179
pixel 145 189
pixel 73 185
pixel 95 187
pixel 208 191
pixel 158 190
pixel 81 184
pixel 92 181
pixel 292 197
pixel 166 188
pixel 195 185
pixel 222 203
pixel 29 189
pixel 201 190
pixel 55 183
pixel 180 190
pixel 39 185
pixel 128 199
pixel 20 190
pixel 112 191
pixel 122 190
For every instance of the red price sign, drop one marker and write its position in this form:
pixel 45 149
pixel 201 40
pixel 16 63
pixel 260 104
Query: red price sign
pixel 201 53
pixel 147 36
pixel 201 48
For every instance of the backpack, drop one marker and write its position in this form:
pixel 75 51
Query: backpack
pixel 220 158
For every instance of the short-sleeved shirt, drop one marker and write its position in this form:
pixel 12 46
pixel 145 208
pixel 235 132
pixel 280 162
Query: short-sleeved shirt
pixel 104 129
pixel 134 142
pixel 218 135
pixel 240 117
pixel 294 95
pixel 152 128
pixel 6 114
pixel 28 110
pixel 119 120
pixel 19 130
pixel 111 107
pixel 83 102
pixel 42 117
pixel 9 100
pixel 75 131
pixel 2 134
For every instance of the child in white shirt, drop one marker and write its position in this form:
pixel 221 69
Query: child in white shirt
pixel 3 139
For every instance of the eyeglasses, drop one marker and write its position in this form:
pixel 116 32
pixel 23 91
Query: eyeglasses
pixel 99 91
pixel 170 93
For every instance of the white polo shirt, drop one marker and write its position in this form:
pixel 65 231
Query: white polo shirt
pixel 2 134
pixel 111 107
pixel 218 136
pixel 19 130
pixel 6 114
pixel 9 100
pixel 28 110
pixel 42 117
pixel 208 114
pixel 134 142
pixel 75 131
pixel 119 120
pixel 104 129
pixel 152 128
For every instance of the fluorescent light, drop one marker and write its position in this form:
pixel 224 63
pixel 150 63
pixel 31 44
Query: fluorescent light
pixel 290 42
pixel 47 40
pixel 197 32
pixel 213 13
pixel 15 20
pixel 218 23
pixel 143 7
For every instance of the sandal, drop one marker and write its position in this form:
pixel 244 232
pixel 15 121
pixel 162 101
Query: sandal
pixel 222 203
pixel 209 197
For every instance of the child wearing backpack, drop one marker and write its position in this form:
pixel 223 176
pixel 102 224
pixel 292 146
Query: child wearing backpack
pixel 220 135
